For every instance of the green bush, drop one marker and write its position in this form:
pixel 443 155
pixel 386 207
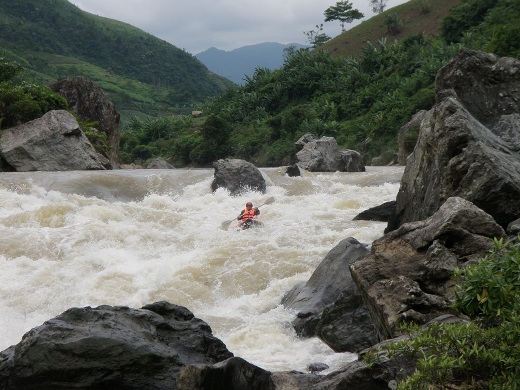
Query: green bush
pixel 20 103
pixel 491 288
pixel 482 354
pixel 461 18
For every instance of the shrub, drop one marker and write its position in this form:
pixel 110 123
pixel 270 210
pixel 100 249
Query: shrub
pixel 479 354
pixel 491 288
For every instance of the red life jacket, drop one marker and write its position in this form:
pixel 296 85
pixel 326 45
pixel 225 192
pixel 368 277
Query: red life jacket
pixel 248 214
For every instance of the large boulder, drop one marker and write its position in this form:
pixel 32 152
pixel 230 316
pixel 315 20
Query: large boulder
pixel 329 305
pixel 469 143
pixel 111 348
pixel 53 142
pixel 91 103
pixel 323 155
pixel 407 275
pixel 407 137
pixel 351 161
pixel 237 176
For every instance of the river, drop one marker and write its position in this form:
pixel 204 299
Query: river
pixel 133 237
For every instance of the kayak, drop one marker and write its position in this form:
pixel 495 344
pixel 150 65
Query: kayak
pixel 251 223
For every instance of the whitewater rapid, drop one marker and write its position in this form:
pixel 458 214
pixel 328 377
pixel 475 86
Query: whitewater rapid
pixel 133 237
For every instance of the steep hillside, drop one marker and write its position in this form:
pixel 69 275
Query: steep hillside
pixel 415 17
pixel 241 62
pixel 142 74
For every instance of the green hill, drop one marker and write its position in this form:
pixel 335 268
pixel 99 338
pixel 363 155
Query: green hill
pixel 416 17
pixel 53 39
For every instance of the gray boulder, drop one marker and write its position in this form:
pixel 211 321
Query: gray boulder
pixel 91 103
pixel 53 142
pixel 407 275
pixel 352 161
pixel 469 143
pixel 237 176
pixel 407 137
pixel 111 348
pixel 329 304
pixel 323 155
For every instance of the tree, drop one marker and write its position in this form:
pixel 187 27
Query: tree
pixel 343 12
pixel 378 6
pixel 317 37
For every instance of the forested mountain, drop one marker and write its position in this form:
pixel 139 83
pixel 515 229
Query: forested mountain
pixel 142 74
pixel 242 62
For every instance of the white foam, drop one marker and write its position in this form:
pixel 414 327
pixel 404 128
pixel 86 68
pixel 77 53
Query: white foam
pixel 61 246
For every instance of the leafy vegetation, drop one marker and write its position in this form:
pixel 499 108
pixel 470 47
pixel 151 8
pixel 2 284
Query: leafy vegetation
pixel 361 97
pixel 20 103
pixel 355 99
pixel 482 354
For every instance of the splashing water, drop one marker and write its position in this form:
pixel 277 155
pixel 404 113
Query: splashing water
pixel 74 239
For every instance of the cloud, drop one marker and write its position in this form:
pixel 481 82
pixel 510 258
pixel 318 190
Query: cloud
pixel 197 25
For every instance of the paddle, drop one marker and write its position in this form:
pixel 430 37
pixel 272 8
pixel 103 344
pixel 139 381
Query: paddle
pixel 225 224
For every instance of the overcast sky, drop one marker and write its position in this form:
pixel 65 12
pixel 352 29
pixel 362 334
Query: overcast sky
pixel 196 25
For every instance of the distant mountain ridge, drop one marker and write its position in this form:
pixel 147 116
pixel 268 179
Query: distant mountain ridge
pixel 238 63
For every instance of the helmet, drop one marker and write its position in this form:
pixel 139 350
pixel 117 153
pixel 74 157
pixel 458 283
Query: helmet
pixel 249 204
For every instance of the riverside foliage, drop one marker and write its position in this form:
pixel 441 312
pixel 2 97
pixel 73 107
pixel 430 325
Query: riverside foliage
pixel 482 354
pixel 360 101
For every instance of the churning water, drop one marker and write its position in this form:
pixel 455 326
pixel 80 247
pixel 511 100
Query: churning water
pixel 74 239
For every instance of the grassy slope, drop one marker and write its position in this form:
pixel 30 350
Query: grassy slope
pixel 142 74
pixel 351 42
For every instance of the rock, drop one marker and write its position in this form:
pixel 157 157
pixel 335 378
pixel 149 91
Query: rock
pixel 111 347
pixel 131 166
pixel 359 376
pixel 407 137
pixel 304 140
pixel 381 213
pixel 159 163
pixel 329 305
pixel 352 160
pixel 513 229
pixel 323 155
pixel 319 155
pixel 234 373
pixel 346 325
pixel 293 171
pixel 317 367
pixel 91 103
pixel 469 143
pixel 53 142
pixel 407 275
pixel 237 176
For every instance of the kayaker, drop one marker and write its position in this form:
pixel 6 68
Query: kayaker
pixel 248 215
